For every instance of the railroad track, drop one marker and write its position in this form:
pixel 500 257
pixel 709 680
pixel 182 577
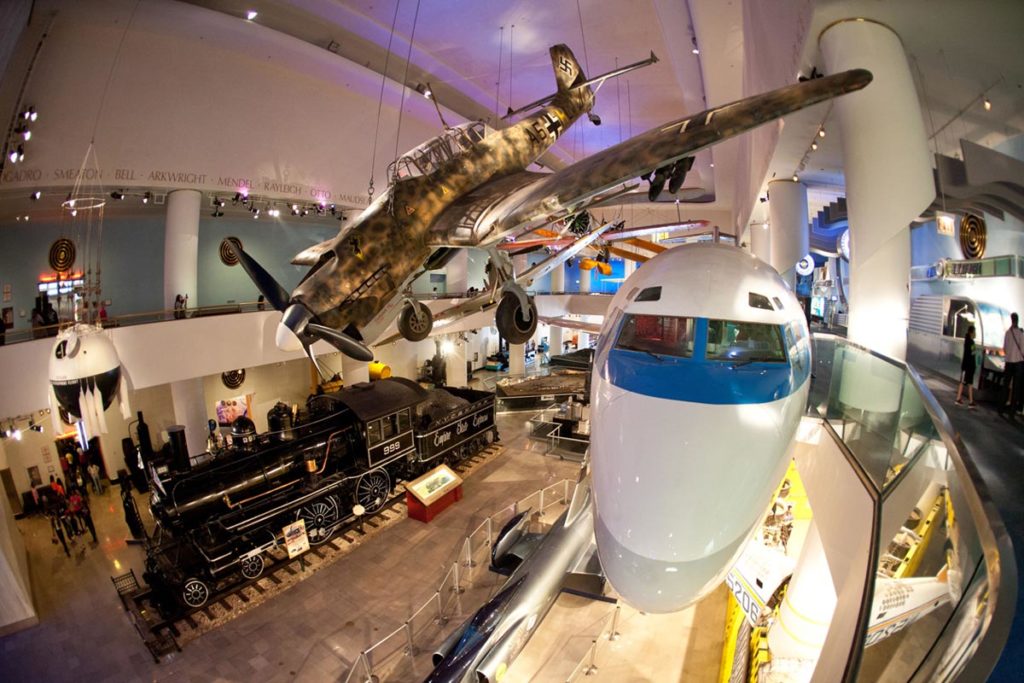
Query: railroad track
pixel 162 637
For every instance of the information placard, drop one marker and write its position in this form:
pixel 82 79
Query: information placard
pixel 295 538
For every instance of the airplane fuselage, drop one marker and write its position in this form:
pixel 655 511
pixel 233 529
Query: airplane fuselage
pixel 370 262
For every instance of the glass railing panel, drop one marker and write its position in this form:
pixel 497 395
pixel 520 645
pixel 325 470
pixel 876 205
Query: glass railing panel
pixel 915 432
pixel 865 396
pixel 913 596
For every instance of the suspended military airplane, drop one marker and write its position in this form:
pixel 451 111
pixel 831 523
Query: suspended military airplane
pixel 468 187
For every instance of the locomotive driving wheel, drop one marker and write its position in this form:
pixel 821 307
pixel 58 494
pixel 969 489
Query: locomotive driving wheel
pixel 195 593
pixel 372 490
pixel 321 517
pixel 252 566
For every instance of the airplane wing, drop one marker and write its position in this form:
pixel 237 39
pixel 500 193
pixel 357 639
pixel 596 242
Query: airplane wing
pixel 540 200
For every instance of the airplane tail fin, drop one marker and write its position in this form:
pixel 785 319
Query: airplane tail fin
pixel 568 72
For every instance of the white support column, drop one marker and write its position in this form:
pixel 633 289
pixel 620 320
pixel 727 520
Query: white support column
pixel 354 371
pixel 888 178
pixel 806 613
pixel 787 211
pixel 181 247
pixel 517 359
pixel 189 402
pixel 457 273
pixel 584 340
pixel 761 242
pixel 558 278
pixel 585 280
pixel 455 363
pixel 555 340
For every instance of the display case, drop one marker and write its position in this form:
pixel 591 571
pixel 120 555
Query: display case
pixel 428 495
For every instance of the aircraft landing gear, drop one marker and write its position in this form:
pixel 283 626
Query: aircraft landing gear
pixel 516 323
pixel 415 321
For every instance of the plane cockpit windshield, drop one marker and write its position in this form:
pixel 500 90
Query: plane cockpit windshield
pixel 433 153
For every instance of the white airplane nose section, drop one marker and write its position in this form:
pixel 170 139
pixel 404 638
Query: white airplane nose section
pixel 286 339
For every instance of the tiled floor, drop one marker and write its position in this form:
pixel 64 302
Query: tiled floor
pixel 311 632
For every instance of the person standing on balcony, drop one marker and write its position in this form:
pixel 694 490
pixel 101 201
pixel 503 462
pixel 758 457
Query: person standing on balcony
pixel 1013 352
pixel 967 368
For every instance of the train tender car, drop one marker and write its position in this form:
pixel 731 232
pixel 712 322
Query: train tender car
pixel 215 521
pixel 700 378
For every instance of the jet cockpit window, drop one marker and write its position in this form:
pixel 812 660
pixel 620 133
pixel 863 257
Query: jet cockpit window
pixel 730 340
pixel 434 153
pixel 758 301
pixel 663 335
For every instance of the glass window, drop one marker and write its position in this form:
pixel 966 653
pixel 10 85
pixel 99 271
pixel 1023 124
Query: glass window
pixel 741 341
pixel 373 433
pixel 404 423
pixel 389 426
pixel 758 301
pixel 658 334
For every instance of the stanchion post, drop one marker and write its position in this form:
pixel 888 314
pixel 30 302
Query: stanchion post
pixel 408 638
pixel 441 618
pixel 542 501
pixel 366 666
pixel 489 531
pixel 613 634
pixel 592 669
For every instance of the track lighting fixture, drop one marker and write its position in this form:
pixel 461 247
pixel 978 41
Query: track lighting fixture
pixel 29 114
pixel 117 194
pixel 146 197
pixel 814 146
pixel 251 14
pixel 218 202
pixel 13 156
pixel 24 132
pixel 796 178
pixel 35 195
pixel 424 89
pixel 821 132
pixel 987 104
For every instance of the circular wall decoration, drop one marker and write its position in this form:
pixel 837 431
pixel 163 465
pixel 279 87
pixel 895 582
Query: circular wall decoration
pixel 62 255
pixel 972 236
pixel 228 257
pixel 232 379
pixel 844 245
pixel 805 266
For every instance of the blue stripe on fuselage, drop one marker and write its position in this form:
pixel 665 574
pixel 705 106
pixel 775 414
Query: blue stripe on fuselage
pixel 699 380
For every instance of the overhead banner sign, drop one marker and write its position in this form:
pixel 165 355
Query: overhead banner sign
pixel 295 538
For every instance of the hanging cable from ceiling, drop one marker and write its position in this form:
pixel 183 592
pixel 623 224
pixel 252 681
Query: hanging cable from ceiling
pixel 497 84
pixel 405 78
pixel 583 35
pixel 511 73
pixel 380 101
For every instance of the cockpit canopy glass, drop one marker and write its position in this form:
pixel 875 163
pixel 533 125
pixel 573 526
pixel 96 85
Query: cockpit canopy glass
pixel 434 153
pixel 730 340
pixel 663 335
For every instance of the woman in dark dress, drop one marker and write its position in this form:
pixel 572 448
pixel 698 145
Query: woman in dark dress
pixel 967 367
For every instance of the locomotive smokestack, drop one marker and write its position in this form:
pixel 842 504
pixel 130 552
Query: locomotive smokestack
pixel 179 448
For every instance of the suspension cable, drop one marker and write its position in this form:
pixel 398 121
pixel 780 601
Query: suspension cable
pixel 380 100
pixel 405 78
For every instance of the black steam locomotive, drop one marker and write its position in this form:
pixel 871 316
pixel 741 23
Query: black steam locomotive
pixel 216 520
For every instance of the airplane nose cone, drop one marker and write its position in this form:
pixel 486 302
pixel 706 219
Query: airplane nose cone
pixel 293 323
pixel 286 339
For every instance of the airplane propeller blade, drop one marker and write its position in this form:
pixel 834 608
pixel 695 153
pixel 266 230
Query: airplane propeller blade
pixel 274 293
pixel 341 341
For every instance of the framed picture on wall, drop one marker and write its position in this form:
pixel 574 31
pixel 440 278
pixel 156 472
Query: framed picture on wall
pixel 230 409
pixel 34 478
pixel 8 315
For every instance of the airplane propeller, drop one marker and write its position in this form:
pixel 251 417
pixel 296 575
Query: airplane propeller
pixel 273 292
pixel 297 321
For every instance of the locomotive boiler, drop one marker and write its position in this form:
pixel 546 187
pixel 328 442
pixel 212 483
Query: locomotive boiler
pixel 218 514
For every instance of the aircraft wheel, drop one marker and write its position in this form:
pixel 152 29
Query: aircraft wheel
pixel 252 566
pixel 415 322
pixel 512 322
pixel 372 490
pixel 321 517
pixel 195 593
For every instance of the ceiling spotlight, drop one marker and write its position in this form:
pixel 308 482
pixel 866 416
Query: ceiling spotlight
pixel 218 202
pixel 712 164
pixel 987 103
pixel 24 132
pixel 821 132
pixel 117 194
pixel 304 212
pixel 424 89
pixel 814 146
pixel 36 428
pixel 251 14
pixel 30 114
pixel 796 178
pixel 74 212
pixel 146 197
pixel 21 153
pixel 35 195
pixel 13 156
pixel 255 214
pixel 695 51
